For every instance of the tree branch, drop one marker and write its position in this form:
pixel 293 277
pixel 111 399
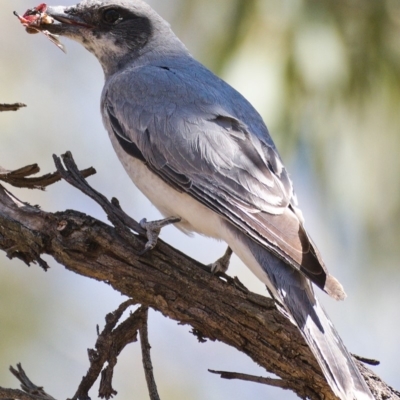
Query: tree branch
pixel 167 281
pixel 280 383
pixel 117 217
pixel 19 178
pixel 109 345
pixel 9 394
pixel 147 364
pixel 30 390
pixel 11 107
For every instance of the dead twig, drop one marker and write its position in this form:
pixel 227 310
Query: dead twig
pixel 280 383
pixel 19 177
pixel 110 342
pixel 29 391
pixel 11 107
pixel 115 214
pixel 365 360
pixel 147 364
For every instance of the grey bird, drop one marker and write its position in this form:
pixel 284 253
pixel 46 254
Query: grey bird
pixel 199 151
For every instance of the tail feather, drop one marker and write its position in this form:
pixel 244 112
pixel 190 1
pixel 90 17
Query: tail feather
pixel 334 359
pixel 294 291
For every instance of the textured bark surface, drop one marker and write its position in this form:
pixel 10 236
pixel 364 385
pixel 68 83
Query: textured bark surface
pixel 173 284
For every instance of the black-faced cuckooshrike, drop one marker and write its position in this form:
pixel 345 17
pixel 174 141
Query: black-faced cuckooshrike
pixel 199 151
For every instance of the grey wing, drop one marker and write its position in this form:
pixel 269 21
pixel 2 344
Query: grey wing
pixel 193 139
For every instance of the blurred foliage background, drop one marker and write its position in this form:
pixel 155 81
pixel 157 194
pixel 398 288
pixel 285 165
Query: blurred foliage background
pixel 325 77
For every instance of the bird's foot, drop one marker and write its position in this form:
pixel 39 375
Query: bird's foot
pixel 222 264
pixel 153 229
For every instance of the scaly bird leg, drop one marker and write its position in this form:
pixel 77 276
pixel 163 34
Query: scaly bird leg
pixel 222 264
pixel 153 229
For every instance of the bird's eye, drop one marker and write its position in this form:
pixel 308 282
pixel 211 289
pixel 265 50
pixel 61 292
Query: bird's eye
pixel 111 16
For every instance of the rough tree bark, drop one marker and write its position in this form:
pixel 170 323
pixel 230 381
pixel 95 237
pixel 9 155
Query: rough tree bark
pixel 216 307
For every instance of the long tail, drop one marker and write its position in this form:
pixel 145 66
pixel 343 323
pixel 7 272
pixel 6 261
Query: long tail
pixel 294 291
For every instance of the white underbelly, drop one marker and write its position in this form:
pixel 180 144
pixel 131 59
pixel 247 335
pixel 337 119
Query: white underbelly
pixel 171 203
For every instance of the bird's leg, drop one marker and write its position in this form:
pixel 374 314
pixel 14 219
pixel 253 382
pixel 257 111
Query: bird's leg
pixel 153 229
pixel 222 264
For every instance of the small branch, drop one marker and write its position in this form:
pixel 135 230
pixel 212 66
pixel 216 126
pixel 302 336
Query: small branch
pixel 30 391
pixel 21 172
pixel 280 383
pixel 110 342
pixel 147 364
pixel 124 334
pixel 365 360
pixel 11 107
pixel 18 178
pixel 113 210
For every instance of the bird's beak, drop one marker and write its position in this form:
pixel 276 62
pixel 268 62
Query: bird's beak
pixel 57 20
pixel 64 21
pixel 54 21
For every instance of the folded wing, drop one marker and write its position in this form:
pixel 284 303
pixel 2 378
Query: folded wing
pixel 198 142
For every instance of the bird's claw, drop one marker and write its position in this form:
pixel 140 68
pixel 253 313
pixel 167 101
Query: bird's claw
pixel 153 229
pixel 222 264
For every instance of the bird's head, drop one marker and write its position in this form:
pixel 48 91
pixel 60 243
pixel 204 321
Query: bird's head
pixel 115 31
